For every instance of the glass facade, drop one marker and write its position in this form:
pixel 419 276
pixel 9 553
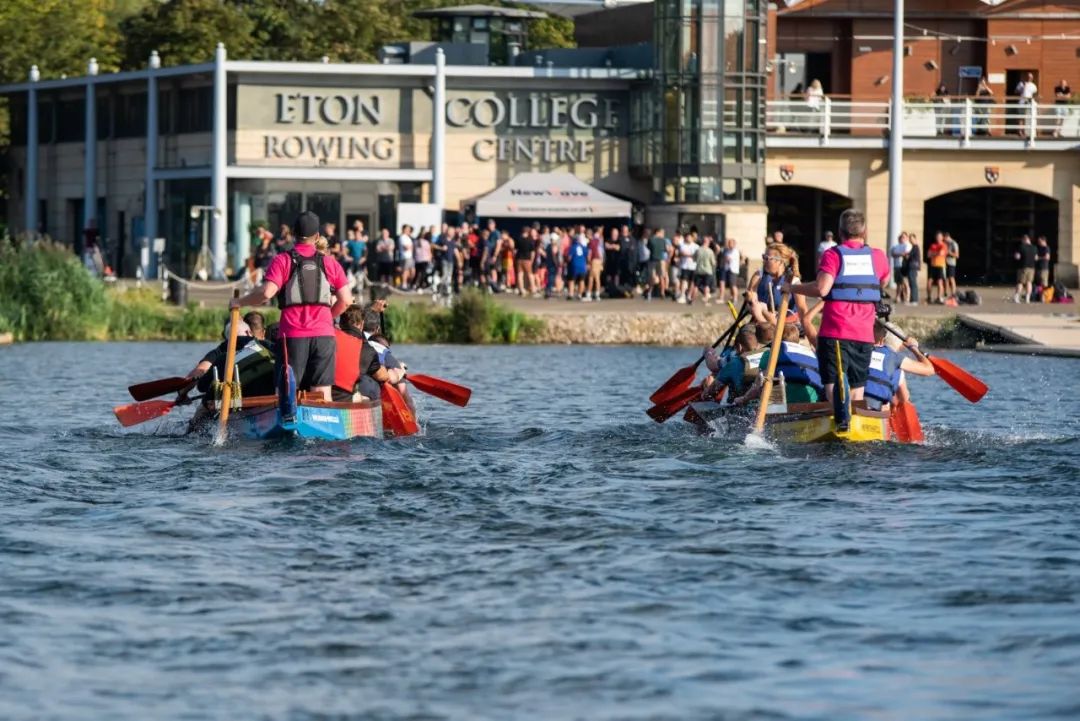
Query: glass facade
pixel 698 130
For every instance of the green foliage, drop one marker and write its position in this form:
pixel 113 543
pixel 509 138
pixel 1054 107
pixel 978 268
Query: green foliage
pixel 121 33
pixel 46 294
pixel 474 318
pixel 187 31
pixel 59 36
pixel 141 315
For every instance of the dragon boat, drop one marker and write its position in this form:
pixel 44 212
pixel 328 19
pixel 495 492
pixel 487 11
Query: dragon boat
pixel 795 423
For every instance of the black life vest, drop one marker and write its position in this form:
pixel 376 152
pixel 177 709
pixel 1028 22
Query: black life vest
pixel 307 283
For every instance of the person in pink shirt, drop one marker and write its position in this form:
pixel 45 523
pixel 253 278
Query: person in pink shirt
pixel 312 293
pixel 849 280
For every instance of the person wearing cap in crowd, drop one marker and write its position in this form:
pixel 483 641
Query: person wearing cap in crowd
pixel 849 278
pixel 310 293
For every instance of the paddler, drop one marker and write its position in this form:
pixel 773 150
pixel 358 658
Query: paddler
pixel 313 291
pixel 885 380
pixel 738 370
pixel 849 279
pixel 359 368
pixel 254 362
pixel 797 363
pixel 764 290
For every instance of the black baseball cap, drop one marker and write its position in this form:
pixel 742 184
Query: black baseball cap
pixel 306 225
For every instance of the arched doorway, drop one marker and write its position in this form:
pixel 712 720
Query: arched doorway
pixel 804 214
pixel 988 223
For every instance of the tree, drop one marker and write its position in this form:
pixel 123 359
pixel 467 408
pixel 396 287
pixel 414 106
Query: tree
pixel 187 31
pixel 59 36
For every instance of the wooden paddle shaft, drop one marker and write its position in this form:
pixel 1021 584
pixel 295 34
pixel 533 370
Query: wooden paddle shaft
pixel 230 362
pixel 774 357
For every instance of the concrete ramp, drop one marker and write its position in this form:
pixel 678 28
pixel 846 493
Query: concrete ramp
pixel 1050 334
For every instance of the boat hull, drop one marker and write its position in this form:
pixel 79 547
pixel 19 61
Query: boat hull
pixel 259 417
pixel 330 421
pixel 798 423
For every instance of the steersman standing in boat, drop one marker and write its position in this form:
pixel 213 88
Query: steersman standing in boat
pixel 849 279
pixel 312 293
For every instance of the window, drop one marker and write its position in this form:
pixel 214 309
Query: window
pixel 131 115
pixel 195 110
pixel 71 121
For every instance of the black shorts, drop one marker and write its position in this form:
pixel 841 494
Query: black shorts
pixel 731 279
pixel 899 275
pixel 937 273
pixel 386 269
pixel 703 281
pixel 855 356
pixel 312 360
pixel 686 274
pixel 950 271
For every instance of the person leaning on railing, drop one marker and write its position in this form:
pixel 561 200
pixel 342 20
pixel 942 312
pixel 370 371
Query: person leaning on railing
pixel 1062 98
pixel 984 98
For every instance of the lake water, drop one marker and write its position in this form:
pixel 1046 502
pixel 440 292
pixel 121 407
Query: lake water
pixel 546 553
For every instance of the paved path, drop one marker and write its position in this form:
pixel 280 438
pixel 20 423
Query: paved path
pixel 1050 334
pixel 995 300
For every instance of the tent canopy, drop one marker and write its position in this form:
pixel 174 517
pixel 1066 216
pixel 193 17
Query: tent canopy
pixel 549 195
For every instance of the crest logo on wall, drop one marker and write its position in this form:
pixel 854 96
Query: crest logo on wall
pixel 787 172
pixel 992 173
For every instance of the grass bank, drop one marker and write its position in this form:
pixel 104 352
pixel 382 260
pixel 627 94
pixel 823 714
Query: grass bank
pixel 47 294
pixel 473 318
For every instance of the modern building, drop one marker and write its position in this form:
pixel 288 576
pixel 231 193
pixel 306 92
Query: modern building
pixel 694 111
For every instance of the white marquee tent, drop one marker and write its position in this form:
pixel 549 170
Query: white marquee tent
pixel 549 195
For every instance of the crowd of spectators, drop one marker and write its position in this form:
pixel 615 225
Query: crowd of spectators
pixel 573 261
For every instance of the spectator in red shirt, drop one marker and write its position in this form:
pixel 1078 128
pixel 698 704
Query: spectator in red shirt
pixel 849 279
pixel 314 291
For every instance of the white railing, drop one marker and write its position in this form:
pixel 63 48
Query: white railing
pixel 961 118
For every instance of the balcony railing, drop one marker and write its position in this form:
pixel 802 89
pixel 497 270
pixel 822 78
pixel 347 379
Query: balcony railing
pixel 960 118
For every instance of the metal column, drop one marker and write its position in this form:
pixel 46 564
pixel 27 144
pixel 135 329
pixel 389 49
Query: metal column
pixel 150 209
pixel 438 132
pixel 90 155
pixel 30 194
pixel 896 125
pixel 218 181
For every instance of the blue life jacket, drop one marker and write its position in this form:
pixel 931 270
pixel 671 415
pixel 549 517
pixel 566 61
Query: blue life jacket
pixel 884 379
pixel 799 364
pixel 857 281
pixel 768 291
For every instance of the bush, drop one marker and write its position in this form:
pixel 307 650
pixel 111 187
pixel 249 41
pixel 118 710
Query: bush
pixel 474 318
pixel 46 294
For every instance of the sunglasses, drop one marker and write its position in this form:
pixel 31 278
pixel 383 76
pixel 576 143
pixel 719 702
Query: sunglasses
pixel 767 258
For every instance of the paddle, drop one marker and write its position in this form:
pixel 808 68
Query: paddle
pixel 961 381
pixel 444 389
pixel 904 420
pixel 153 389
pixel 774 357
pixel 684 376
pixel 135 413
pixel 397 418
pixel 230 363
pixel 662 411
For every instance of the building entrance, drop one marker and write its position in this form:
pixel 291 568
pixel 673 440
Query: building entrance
pixel 803 214
pixel 988 223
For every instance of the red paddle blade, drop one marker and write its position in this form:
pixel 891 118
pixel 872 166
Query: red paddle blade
pixel 398 420
pixel 905 423
pixel 444 389
pixel 962 382
pixel 135 413
pixel 662 411
pixel 153 389
pixel 674 385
